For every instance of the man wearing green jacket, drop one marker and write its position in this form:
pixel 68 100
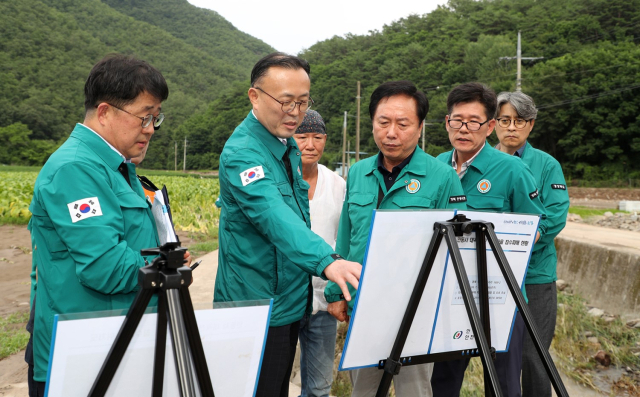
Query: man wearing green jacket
pixel 267 249
pixel 494 182
pixel 90 217
pixel 515 119
pixel 401 177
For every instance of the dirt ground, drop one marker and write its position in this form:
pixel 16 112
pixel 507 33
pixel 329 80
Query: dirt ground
pixel 15 267
pixel 590 193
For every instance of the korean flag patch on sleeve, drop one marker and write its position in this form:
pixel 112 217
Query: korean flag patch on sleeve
pixel 85 208
pixel 251 175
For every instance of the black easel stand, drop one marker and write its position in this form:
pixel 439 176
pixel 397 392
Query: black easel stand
pixel 167 277
pixel 480 322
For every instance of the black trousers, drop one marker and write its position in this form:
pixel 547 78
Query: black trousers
pixel 36 389
pixel 447 377
pixel 279 353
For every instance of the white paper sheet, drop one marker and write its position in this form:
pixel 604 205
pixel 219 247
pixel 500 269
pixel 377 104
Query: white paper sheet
pixel 398 243
pixel 166 232
pixel 233 341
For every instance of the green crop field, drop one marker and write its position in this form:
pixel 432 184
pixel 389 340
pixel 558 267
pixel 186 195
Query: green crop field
pixel 192 199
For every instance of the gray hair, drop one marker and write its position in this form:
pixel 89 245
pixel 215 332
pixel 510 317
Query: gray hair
pixel 522 103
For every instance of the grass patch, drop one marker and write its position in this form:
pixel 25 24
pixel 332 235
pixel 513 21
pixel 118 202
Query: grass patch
pixel 13 335
pixel 188 174
pixel 203 243
pixel 586 212
pixel 13 220
pixel 20 168
pixel 202 248
pixel 575 351
pixel 473 383
pixel 341 386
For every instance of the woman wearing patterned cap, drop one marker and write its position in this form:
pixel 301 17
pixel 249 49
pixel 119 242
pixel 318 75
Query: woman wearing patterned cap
pixel 326 194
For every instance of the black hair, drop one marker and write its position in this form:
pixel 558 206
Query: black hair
pixel 277 59
pixel 119 79
pixel 400 87
pixel 473 92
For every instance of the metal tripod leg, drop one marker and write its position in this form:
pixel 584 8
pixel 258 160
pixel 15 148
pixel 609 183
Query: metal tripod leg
pixel 195 343
pixel 392 365
pixel 549 366
pixel 472 311
pixel 161 345
pixel 180 344
pixel 129 326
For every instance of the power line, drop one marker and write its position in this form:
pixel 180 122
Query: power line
pixel 593 96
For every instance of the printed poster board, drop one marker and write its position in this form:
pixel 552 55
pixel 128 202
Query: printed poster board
pixel 398 243
pixel 233 337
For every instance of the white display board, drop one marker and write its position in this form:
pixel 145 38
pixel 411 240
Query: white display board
pixel 233 339
pixel 398 243
pixel 452 331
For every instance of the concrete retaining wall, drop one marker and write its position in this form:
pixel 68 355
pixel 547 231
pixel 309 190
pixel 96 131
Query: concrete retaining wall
pixel 607 276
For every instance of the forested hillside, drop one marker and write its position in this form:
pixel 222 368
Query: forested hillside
pixel 48 47
pixel 587 86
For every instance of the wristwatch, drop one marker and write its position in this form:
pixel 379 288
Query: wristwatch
pixel 336 257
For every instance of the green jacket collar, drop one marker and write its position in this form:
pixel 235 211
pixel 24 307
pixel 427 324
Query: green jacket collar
pixel 98 145
pixel 484 158
pixel 527 150
pixel 272 143
pixel 417 165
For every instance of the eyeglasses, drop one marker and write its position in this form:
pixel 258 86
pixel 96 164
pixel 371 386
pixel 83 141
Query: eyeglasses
pixel 288 106
pixel 519 123
pixel 471 125
pixel 146 120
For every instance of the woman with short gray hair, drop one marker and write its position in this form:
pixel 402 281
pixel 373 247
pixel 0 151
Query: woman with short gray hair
pixel 515 117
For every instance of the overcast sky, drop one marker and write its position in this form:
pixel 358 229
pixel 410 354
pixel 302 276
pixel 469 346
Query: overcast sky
pixel 295 25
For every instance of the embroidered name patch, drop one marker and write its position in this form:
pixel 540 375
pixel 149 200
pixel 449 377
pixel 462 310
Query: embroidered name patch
pixel 558 186
pixel 85 208
pixel 534 194
pixel 457 199
pixel 251 175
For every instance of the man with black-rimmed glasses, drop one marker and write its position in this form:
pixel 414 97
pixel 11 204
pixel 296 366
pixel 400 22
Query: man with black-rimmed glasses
pixel 492 181
pixel 267 248
pixel 90 217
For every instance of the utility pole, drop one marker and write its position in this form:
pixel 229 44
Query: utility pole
pixel 348 154
pixel 424 126
pixel 344 146
pixel 519 60
pixel 175 155
pixel 519 67
pixel 358 125
pixel 184 161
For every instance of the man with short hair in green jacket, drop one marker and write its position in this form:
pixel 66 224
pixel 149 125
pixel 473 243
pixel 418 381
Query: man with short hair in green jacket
pixel 515 119
pixel 401 177
pixel 90 218
pixel 267 249
pixel 494 182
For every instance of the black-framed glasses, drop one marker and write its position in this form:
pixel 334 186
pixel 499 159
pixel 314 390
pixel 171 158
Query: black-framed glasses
pixel 146 120
pixel 506 122
pixel 288 106
pixel 471 125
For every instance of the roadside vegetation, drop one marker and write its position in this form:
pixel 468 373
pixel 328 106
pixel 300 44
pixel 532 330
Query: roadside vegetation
pixel 586 212
pixel 13 335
